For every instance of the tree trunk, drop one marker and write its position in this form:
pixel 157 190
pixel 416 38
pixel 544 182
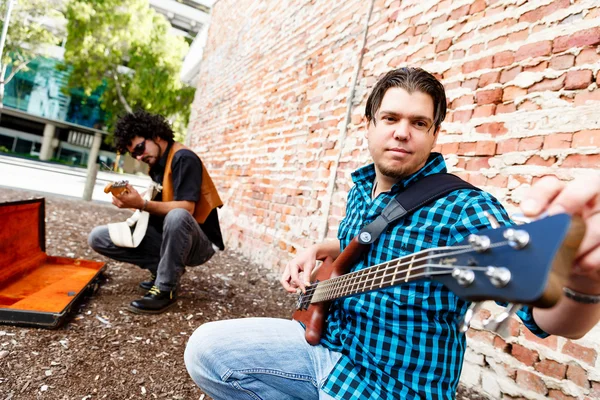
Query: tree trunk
pixel 121 97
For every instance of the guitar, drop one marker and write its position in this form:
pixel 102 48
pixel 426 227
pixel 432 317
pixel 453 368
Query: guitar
pixel 525 264
pixel 116 188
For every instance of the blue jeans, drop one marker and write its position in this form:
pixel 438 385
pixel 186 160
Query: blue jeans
pixel 258 359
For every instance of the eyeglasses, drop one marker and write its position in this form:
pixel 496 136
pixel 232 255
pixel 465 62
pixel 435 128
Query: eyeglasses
pixel 139 149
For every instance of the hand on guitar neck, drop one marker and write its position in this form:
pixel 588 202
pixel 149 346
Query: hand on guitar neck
pixel 528 264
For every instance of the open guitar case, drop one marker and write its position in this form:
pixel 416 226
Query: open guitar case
pixel 37 289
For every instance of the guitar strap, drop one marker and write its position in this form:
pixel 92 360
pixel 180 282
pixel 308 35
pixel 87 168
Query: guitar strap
pixel 131 232
pixel 413 197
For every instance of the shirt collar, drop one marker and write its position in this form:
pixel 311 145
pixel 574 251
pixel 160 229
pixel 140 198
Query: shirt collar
pixel 435 164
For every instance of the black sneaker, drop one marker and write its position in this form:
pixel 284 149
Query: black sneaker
pixel 147 285
pixel 154 302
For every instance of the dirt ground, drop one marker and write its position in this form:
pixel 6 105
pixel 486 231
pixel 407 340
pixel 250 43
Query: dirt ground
pixel 105 352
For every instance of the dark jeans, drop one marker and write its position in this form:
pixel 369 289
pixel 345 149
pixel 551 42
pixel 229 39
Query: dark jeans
pixel 181 243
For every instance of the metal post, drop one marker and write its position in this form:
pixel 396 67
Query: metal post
pixel 92 168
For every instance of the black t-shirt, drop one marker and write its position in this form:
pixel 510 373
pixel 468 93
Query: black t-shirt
pixel 186 172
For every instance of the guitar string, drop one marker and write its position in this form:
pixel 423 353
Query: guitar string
pixel 329 285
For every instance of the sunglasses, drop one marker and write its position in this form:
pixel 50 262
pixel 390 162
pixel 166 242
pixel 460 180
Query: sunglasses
pixel 139 149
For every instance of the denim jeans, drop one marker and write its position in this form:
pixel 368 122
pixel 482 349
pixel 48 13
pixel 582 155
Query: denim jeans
pixel 181 243
pixel 258 359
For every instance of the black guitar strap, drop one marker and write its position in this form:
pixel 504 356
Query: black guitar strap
pixel 413 197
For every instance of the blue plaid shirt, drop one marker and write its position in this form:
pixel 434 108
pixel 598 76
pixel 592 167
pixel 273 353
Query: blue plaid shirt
pixel 403 342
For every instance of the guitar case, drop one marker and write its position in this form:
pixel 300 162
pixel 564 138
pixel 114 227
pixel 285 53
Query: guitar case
pixel 37 289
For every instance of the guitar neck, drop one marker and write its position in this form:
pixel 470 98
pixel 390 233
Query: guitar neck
pixel 391 273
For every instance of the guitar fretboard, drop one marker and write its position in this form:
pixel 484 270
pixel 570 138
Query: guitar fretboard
pixel 394 272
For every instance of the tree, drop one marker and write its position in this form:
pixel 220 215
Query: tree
pixel 128 47
pixel 28 36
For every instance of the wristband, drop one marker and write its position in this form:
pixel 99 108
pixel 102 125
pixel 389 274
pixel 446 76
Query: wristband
pixel 145 205
pixel 580 297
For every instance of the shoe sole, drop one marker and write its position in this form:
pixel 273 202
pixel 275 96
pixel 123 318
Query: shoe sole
pixel 140 311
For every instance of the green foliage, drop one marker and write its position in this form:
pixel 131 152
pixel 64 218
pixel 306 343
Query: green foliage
pixel 127 46
pixel 27 35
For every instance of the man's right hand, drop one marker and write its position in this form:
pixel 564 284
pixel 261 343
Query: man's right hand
pixel 304 262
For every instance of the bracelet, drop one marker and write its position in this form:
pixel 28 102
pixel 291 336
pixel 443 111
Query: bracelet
pixel 581 297
pixel 145 205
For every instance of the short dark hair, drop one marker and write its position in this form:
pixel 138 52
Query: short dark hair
pixel 143 124
pixel 411 80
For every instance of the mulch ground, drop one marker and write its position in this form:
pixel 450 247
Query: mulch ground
pixel 105 352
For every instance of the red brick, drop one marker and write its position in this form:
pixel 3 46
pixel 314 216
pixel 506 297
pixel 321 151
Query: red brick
pixel 558 141
pixel 466 148
pixel 577 375
pixel 538 66
pixel 533 50
pixel 528 105
pixel 481 336
pixel 507 146
pixel 540 12
pixel 558 395
pixel 463 101
pixel 506 108
pixel 489 78
pixel 493 128
pixel 476 65
pixel 551 368
pixel 551 85
pixel 443 45
pixel 586 138
pixel 531 143
pixel 462 115
pixel 585 354
pixel 477 6
pixel 484 111
pixel 460 12
pixel 531 381
pixel 540 162
pixel 498 181
pixel 471 83
pixel 503 59
pixel 578 79
pixel 588 56
pixel 587 37
pixel 562 62
pixel 477 163
pixel 450 148
pixel 518 36
pixel 581 161
pixel 512 92
pixel 493 96
pixel 485 148
pixel 584 97
pixel 510 74
pixel 523 354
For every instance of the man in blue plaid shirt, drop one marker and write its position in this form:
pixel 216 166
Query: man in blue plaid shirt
pixel 401 342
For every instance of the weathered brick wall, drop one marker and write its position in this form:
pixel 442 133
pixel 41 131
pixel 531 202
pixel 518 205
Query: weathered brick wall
pixel 522 79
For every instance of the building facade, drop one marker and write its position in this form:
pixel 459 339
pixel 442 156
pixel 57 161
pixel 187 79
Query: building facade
pixel 278 119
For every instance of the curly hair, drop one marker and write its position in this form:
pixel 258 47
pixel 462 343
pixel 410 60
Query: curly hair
pixel 411 80
pixel 143 124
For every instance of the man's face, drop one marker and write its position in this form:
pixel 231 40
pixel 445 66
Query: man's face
pixel 402 134
pixel 145 150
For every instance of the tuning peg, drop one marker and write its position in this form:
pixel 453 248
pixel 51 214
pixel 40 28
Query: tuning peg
pixel 499 324
pixel 466 321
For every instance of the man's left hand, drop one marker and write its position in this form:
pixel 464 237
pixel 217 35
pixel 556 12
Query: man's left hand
pixel 129 199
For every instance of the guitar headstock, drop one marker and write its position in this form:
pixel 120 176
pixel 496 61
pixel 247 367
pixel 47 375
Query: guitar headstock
pixel 525 264
pixel 116 188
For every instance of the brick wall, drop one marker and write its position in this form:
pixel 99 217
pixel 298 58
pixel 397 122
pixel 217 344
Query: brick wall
pixel 272 123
